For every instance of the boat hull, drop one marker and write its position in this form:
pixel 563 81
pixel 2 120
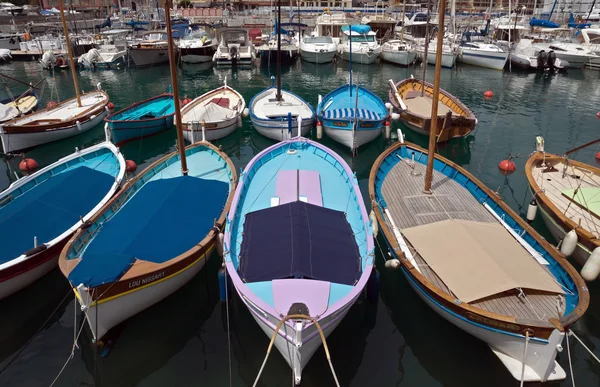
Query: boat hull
pixel 361 57
pixel 278 130
pixel 197 54
pixel 117 62
pixel 448 59
pixel 124 131
pixel 403 58
pixel 148 57
pixel 318 57
pixel 18 141
pixel 490 60
pixel 346 136
pixel 213 131
pixel 270 56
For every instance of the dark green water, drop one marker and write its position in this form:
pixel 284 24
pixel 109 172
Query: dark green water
pixel 399 341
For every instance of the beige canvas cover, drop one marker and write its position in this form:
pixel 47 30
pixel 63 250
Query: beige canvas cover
pixel 477 259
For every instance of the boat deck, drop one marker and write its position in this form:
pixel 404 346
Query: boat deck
pixel 266 106
pixel 225 99
pixel 554 184
pixel 410 207
pixel 421 105
pixel 64 112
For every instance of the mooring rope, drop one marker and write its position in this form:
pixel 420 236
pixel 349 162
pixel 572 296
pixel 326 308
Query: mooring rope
pixel 584 346
pixel 524 356
pixel 323 340
pixel 570 363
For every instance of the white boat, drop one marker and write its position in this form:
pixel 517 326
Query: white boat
pixel 318 49
pixel 398 52
pixel 577 55
pixel 152 50
pixel 589 38
pixel 235 48
pixel 5 54
pixel 526 56
pixel 449 54
pixel 330 24
pixel 10 9
pixel 65 120
pixel 10 41
pixel 104 57
pixel 365 49
pixel 213 115
pixel 197 47
pixel 482 55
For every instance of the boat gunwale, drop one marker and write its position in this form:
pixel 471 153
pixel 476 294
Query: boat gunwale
pixel 464 309
pixel 170 267
pixel 136 104
pixel 584 235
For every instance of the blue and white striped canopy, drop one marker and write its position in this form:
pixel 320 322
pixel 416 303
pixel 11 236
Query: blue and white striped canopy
pixel 349 113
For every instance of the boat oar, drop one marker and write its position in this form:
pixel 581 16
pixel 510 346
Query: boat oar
pixel 397 95
pixel 16 80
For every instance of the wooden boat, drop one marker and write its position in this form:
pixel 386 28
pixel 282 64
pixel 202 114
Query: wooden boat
pixel 274 111
pixel 155 235
pixel 454 118
pixel 352 115
pixel 142 119
pixel 566 192
pixel 472 259
pixel 297 241
pixel 220 111
pixel 50 205
pixel 24 104
pixel 66 119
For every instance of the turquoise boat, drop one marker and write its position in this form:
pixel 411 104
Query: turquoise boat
pixel 142 119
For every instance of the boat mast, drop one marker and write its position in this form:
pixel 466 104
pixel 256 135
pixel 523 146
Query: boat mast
pixel 350 41
pixel 172 65
pixel 278 95
pixel 436 94
pixel 589 13
pixel 403 20
pixel 426 49
pixel 71 61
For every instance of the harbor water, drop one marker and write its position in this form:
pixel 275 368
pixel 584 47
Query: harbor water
pixel 193 339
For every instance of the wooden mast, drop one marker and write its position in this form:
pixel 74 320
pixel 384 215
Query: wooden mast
pixel 172 65
pixel 71 61
pixel 278 95
pixel 436 94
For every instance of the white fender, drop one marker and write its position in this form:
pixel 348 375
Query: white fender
pixel 532 210
pixel 392 264
pixel 591 269
pixel 569 242
pixel 395 116
pixel 539 143
pixel 78 125
pixel 388 130
pixel 219 244
pixel 374 225
pixel 246 112
pixel 319 130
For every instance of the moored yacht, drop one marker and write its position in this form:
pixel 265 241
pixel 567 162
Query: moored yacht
pixel 365 49
pixel 317 49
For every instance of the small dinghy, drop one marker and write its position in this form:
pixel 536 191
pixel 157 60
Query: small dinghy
pixel 352 115
pixel 298 245
pixel 40 212
pixel 413 98
pixel 25 103
pixel 219 111
pixel 142 119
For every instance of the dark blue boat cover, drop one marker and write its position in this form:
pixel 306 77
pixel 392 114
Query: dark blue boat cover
pixel 49 209
pixel 164 219
pixel 299 240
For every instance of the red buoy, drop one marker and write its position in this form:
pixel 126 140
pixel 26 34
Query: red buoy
pixel 186 100
pixel 598 156
pixel 28 165
pixel 51 105
pixel 110 106
pixel 488 94
pixel 598 114
pixel 130 166
pixel 507 167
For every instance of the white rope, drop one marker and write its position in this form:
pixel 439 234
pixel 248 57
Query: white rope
pixel 570 363
pixel 524 357
pixel 584 346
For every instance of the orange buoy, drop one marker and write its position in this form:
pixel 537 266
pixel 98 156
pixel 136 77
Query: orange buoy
pixel 110 105
pixel 51 104
pixel 598 156
pixel 507 167
pixel 488 94
pixel 130 166
pixel 186 100
pixel 598 114
pixel 28 165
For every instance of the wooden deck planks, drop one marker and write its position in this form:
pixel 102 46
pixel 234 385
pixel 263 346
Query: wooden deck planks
pixel 403 194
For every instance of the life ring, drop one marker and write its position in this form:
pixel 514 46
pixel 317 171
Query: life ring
pixel 60 62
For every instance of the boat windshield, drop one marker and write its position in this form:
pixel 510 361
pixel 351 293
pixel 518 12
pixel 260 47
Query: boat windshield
pixel 234 38
pixel 362 38
pixel 195 35
pixel 318 40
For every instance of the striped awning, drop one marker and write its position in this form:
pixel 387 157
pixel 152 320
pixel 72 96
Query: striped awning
pixel 349 113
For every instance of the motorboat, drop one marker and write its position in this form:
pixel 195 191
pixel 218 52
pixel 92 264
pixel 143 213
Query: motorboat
pixel 398 52
pixel 482 55
pixel 330 24
pixel 317 49
pixel 235 48
pixel 151 50
pixel 197 46
pixel 365 48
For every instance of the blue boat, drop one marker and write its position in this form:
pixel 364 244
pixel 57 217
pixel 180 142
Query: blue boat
pixel 298 240
pixel 352 115
pixel 39 213
pixel 142 119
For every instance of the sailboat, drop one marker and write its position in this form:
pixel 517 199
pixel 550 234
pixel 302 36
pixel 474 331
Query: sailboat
pixel 66 119
pixel 351 114
pixel 566 193
pixel 155 235
pixel 298 245
pixel 274 111
pixel 471 258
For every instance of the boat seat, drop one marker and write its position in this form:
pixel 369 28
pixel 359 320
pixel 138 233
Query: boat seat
pixel 223 102
pixel 298 185
pixel 349 113
pixel 412 94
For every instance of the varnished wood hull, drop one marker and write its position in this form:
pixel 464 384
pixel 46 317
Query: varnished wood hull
pixel 461 125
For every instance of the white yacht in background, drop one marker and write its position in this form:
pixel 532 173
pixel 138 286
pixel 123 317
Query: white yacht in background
pixel 10 41
pixel 365 48
pixel 574 53
pixel 317 49
pixel 235 48
pixel 151 50
pixel 111 52
pixel 330 24
pixel 10 9
pixel 483 55
pixel 197 46
pixel 589 38
pixel 398 52
pixel 449 54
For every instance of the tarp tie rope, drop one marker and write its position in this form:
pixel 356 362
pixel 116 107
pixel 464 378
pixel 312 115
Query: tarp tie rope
pixel 323 340
pixel 524 356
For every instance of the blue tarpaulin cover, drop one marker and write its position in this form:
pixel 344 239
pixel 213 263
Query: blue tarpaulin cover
pixel 164 219
pixel 49 209
pixel 299 240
